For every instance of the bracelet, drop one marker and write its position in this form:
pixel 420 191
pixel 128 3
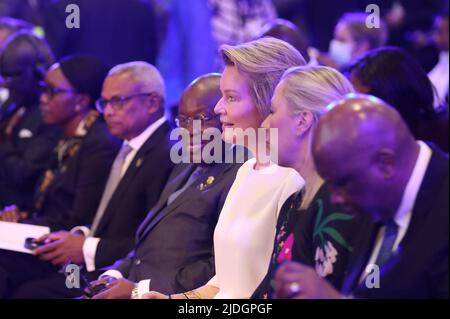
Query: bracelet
pixel 191 295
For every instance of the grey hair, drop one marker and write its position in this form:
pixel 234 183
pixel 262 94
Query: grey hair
pixel 312 88
pixel 143 74
pixel 262 62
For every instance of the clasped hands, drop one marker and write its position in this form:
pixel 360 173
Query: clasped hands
pixel 296 281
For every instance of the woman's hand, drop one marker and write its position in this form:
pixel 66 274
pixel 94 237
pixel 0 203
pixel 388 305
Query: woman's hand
pixel 154 295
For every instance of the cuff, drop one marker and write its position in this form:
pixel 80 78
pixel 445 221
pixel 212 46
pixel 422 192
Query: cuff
pixel 143 288
pixel 85 230
pixel 89 251
pixel 112 273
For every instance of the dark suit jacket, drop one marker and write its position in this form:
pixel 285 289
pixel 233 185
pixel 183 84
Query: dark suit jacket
pixel 137 192
pixel 420 267
pixel 73 196
pixel 25 158
pixel 174 244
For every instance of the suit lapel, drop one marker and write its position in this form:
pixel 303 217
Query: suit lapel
pixel 437 171
pixel 153 143
pixel 179 176
pixel 361 254
pixel 216 171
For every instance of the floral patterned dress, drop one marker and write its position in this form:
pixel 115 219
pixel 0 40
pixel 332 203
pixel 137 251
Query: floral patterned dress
pixel 321 236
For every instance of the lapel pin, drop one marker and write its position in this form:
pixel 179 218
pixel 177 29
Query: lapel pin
pixel 139 162
pixel 208 182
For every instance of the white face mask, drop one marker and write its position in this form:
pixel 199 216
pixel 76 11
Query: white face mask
pixel 4 95
pixel 340 52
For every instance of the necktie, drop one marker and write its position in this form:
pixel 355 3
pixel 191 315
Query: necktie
pixel 195 174
pixel 390 234
pixel 111 185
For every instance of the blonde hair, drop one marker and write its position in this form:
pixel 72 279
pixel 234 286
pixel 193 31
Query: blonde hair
pixel 262 62
pixel 312 88
pixel 144 74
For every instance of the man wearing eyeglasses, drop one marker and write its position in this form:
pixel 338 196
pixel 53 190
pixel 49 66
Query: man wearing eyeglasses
pixel 131 101
pixel 173 248
pixel 72 185
pixel 173 251
pixel 26 142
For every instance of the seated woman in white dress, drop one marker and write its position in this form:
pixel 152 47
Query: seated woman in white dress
pixel 244 235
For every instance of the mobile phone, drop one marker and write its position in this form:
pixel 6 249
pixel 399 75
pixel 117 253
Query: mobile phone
pixel 31 244
pixel 91 291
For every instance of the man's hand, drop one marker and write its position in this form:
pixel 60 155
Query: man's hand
pixel 61 248
pixel 294 280
pixel 104 281
pixel 117 289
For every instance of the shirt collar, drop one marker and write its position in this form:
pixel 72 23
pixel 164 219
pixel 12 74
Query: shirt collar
pixel 403 215
pixel 444 57
pixel 137 142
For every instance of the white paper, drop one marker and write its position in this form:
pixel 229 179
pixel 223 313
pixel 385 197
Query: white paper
pixel 13 235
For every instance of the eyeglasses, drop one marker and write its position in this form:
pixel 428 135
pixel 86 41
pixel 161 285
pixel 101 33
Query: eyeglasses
pixel 51 91
pixel 117 102
pixel 11 76
pixel 181 120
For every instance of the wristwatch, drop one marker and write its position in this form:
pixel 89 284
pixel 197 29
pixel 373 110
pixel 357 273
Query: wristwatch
pixel 135 292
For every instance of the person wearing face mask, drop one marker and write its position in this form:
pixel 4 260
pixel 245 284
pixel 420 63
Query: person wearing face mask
pixel 352 38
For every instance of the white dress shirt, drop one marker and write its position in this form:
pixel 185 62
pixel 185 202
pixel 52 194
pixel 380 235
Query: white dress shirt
pixel 91 243
pixel 439 76
pixel 403 216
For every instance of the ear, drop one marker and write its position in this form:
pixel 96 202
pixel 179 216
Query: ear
pixel 360 48
pixel 154 103
pixel 83 100
pixel 385 162
pixel 304 121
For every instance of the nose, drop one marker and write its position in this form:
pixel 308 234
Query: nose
pixel 266 123
pixel 44 98
pixel 108 110
pixel 194 129
pixel 218 109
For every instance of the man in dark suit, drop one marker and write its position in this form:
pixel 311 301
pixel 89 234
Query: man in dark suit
pixel 26 142
pixel 132 102
pixel 374 166
pixel 174 244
